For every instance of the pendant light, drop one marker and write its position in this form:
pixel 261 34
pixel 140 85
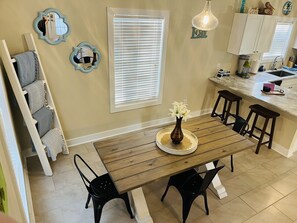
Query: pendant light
pixel 205 21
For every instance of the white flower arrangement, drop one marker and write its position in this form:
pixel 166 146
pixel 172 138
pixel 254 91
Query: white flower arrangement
pixel 179 110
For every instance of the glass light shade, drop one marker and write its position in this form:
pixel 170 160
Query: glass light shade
pixel 205 21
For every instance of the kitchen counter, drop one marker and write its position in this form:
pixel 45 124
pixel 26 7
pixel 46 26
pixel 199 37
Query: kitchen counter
pixel 285 137
pixel 252 87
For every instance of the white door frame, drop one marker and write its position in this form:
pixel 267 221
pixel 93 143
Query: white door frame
pixel 10 138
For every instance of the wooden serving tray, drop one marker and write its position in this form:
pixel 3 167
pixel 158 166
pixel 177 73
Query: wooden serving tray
pixel 188 144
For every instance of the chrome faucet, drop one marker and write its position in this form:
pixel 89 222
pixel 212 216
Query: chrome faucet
pixel 274 62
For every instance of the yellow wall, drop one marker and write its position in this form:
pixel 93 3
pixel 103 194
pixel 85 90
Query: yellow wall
pixel 82 100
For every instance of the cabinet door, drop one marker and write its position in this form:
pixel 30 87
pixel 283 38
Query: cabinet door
pixel 251 34
pixel 266 34
pixel 295 44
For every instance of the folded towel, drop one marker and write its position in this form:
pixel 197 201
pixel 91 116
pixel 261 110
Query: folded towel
pixel 54 143
pixel 27 67
pixel 36 95
pixel 44 118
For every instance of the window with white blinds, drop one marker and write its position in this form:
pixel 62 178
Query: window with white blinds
pixel 280 41
pixel 137 46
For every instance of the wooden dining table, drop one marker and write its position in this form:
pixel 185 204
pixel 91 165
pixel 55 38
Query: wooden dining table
pixel 133 159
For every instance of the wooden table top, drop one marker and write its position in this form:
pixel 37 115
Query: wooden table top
pixel 134 159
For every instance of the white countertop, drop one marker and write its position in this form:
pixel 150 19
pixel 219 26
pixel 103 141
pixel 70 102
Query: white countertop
pixel 252 88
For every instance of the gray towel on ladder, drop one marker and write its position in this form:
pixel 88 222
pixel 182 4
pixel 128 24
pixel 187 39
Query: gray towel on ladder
pixel 36 95
pixel 54 143
pixel 27 67
pixel 44 118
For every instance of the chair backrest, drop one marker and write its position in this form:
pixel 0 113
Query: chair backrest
pixel 210 174
pixel 240 125
pixel 83 177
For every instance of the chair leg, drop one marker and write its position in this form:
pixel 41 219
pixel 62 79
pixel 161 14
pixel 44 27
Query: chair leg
pixel 262 135
pixel 187 203
pixel 213 113
pixel 227 113
pixel 126 199
pixel 224 110
pixel 237 107
pixel 248 118
pixel 205 203
pixel 88 201
pixel 232 167
pixel 253 126
pixel 166 190
pixel 271 133
pixel 97 210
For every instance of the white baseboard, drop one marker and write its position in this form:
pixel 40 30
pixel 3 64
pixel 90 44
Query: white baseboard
pixel 281 150
pixel 127 129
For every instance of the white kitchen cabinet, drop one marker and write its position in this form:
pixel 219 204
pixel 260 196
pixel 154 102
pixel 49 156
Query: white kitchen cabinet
pixel 251 33
pixel 295 44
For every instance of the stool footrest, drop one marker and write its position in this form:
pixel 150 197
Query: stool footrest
pixel 267 133
pixel 257 137
pixel 221 116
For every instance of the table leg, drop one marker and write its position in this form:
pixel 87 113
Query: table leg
pixel 139 206
pixel 216 185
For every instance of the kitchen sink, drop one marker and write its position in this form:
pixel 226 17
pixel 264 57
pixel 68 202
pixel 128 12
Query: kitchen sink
pixel 280 73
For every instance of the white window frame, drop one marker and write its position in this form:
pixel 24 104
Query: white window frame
pixel 285 49
pixel 117 12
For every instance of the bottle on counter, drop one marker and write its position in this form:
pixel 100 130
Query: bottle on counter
pixel 290 62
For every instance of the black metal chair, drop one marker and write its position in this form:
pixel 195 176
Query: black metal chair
pixel 240 126
pixel 101 189
pixel 190 185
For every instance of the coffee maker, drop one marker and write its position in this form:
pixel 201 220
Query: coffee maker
pixel 243 65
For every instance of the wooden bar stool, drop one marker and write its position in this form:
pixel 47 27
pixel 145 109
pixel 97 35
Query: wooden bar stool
pixel 267 114
pixel 229 98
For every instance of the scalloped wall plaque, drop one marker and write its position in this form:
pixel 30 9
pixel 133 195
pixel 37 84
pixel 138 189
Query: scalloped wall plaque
pixel 51 26
pixel 85 57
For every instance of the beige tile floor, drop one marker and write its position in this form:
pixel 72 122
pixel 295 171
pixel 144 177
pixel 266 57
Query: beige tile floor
pixel 263 189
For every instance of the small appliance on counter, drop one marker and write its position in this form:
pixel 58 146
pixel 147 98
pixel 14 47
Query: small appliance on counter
pixel 221 73
pixel 243 66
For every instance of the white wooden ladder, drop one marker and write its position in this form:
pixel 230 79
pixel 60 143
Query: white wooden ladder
pixel 20 95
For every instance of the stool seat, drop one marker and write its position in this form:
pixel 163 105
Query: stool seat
pixel 229 96
pixel 229 99
pixel 260 110
pixel 267 114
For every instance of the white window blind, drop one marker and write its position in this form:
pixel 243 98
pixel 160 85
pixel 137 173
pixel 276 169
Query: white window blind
pixel 280 41
pixel 137 54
